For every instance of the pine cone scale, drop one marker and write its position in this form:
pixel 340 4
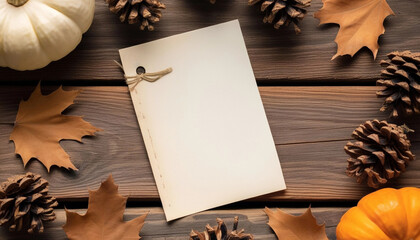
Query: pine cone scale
pixel 387 74
pixel 379 155
pixel 364 147
pixel 394 97
pixel 133 14
pixel 408 156
pixel 19 200
pixel 253 2
pixel 384 93
pixel 38 210
pixel 391 68
pixel 277 7
pixel 120 5
pixel 282 22
pixel 410 67
pixel 35 225
pixel 26 182
pixel 406 99
pixel 402 73
pixel 6 203
pixel 21 210
pixel 375 137
pixel 12 189
pixel 356 149
pixel 397 60
pixel 266 4
pixel 292 12
pixel 41 186
pixel 5 217
pixel 404 85
pixel 365 159
pixel 52 202
pixel 384 63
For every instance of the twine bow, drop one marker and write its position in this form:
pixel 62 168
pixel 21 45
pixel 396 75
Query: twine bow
pixel 132 81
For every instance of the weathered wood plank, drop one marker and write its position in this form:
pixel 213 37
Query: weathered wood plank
pixel 310 126
pixel 254 221
pixel 276 55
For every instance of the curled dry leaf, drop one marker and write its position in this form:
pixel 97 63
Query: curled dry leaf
pixel 361 23
pixel 40 126
pixel 291 227
pixel 104 217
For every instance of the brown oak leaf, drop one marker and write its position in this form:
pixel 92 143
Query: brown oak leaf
pixel 104 217
pixel 361 23
pixel 291 227
pixel 39 128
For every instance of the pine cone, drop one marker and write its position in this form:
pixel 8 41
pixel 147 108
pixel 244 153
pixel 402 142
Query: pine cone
pixel 147 12
pixel 283 12
pixel 381 152
pixel 401 78
pixel 220 232
pixel 25 203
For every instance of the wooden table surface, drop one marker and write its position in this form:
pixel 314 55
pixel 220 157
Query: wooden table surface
pixel 312 104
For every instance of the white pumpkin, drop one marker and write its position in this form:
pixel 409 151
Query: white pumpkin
pixel 34 33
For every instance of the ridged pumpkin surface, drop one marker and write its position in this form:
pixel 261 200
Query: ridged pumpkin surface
pixel 387 214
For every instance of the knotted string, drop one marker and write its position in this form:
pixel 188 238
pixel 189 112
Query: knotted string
pixel 132 81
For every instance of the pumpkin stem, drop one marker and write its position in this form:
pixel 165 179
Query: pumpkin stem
pixel 17 3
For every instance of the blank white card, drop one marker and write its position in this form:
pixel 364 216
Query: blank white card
pixel 204 125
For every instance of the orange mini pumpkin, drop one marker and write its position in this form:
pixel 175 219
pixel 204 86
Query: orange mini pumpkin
pixel 387 214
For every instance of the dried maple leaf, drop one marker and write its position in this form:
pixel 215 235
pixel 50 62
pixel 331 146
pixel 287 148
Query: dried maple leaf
pixel 39 128
pixel 361 23
pixel 104 217
pixel 291 227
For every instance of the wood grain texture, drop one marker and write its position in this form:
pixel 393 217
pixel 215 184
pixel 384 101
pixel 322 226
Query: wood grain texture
pixel 254 221
pixel 310 126
pixel 277 56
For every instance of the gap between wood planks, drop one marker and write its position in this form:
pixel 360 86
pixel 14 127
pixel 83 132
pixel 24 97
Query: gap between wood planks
pixel 260 83
pixel 82 203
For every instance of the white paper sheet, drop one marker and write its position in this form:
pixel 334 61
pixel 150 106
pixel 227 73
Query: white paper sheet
pixel 204 125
